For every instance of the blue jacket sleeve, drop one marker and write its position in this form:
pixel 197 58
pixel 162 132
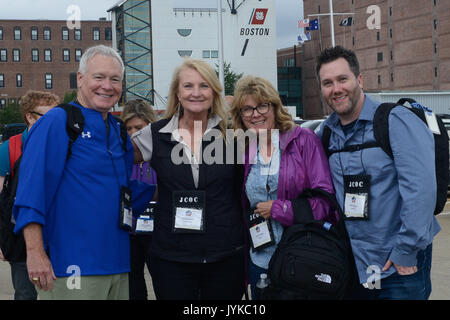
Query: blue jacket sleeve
pixel 412 144
pixel 142 194
pixel 41 168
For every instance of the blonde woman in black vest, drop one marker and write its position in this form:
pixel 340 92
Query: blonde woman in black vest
pixel 197 247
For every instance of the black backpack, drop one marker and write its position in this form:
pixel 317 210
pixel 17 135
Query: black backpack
pixel 313 260
pixel 11 244
pixel 381 134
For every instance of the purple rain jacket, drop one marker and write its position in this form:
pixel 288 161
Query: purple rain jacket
pixel 303 164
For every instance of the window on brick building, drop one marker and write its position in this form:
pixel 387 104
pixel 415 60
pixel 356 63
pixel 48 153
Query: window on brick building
pixel 47 55
pixel 47 33
pixel 35 55
pixel 34 33
pixel 2 80
pixel 3 55
pixel 77 34
pixel 73 80
pixel 16 55
pixel 3 103
pixel 1 33
pixel 78 53
pixel 48 81
pixel 108 34
pixel 380 56
pixel 17 33
pixel 65 33
pixel 66 55
pixel 18 80
pixel 96 34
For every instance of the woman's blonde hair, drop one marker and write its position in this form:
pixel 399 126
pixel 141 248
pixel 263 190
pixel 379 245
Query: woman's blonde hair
pixel 138 109
pixel 262 91
pixel 210 76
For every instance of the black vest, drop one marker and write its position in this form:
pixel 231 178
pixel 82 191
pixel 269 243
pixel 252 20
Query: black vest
pixel 224 229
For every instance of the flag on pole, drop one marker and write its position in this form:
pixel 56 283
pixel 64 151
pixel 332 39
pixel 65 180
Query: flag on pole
pixel 303 23
pixel 346 22
pixel 313 25
pixel 304 37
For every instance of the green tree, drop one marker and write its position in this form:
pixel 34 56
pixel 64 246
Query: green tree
pixel 70 96
pixel 230 77
pixel 11 114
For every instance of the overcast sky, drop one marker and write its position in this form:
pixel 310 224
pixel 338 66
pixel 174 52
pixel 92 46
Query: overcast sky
pixel 288 12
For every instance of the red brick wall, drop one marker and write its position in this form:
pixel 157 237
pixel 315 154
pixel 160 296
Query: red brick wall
pixel 33 73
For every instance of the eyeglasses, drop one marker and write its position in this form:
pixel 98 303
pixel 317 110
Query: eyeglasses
pixel 262 108
pixel 37 113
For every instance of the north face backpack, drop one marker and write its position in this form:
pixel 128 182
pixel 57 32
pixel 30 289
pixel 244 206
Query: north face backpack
pixel 381 134
pixel 313 260
pixel 11 244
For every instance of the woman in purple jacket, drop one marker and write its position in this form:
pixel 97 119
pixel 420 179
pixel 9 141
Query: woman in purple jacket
pixel 279 164
pixel 137 114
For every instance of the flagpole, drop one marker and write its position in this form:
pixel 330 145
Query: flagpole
pixel 332 24
pixel 220 37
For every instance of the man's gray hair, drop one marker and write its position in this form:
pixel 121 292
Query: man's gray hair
pixel 93 51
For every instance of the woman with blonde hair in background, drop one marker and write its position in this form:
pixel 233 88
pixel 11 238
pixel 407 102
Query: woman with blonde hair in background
pixel 136 115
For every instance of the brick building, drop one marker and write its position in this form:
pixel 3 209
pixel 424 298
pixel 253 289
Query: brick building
pixel 44 55
pixel 410 52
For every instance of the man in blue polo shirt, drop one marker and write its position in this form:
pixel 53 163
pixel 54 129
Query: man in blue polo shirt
pixel 69 208
pixel 389 204
pixel 34 104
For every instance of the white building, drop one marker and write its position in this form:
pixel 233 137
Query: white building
pixel 249 41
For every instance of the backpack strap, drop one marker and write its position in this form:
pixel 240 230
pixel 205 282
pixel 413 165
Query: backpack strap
pixel 15 150
pixel 302 208
pixel 381 126
pixel 326 135
pixel 74 125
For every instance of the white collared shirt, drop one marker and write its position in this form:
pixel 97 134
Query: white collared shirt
pixel 144 141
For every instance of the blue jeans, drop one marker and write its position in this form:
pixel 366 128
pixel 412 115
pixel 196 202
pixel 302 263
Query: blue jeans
pixel 23 288
pixel 396 287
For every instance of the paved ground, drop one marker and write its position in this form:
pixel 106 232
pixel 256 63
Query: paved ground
pixel 440 272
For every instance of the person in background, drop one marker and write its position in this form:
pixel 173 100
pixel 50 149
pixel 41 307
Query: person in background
pixel 34 104
pixel 136 115
pixel 392 236
pixel 198 241
pixel 279 165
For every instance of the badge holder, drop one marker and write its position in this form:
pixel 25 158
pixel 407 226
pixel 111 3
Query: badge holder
pixel 356 197
pixel 145 221
pixel 260 229
pixel 126 211
pixel 188 211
